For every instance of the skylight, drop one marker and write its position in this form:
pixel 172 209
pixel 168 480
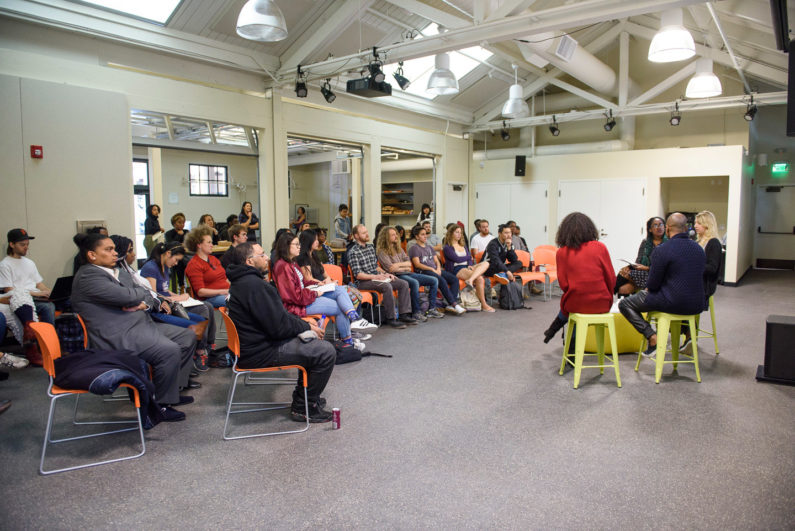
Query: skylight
pixel 157 11
pixel 419 70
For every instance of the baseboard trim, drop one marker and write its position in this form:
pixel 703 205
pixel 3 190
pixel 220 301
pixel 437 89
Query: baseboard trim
pixel 735 284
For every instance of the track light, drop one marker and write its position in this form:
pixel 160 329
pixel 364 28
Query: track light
pixel 750 111
pixel 504 133
pixel 554 129
pixel 402 81
pixel 611 122
pixel 676 116
pixel 300 84
pixel 325 89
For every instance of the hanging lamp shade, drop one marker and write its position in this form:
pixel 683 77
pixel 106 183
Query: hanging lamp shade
pixel 673 42
pixel 704 83
pixel 516 106
pixel 261 20
pixel 442 81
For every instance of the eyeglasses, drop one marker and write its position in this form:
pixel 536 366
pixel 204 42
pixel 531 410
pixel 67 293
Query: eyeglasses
pixel 258 255
pixel 654 225
pixel 296 244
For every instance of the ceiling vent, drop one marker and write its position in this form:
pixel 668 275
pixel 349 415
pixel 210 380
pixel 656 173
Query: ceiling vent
pixel 566 48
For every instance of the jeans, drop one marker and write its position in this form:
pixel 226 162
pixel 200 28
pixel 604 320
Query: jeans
pixel 336 304
pixel 386 289
pixel 2 326
pixel 448 285
pixel 317 357
pixel 415 280
pixel 493 270
pixel 217 300
pixel 45 311
pixel 631 307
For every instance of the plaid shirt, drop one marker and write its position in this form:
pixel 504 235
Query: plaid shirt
pixel 362 260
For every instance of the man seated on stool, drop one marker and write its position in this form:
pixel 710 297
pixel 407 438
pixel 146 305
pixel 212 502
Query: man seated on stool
pixel 271 337
pixel 675 282
pixel 500 255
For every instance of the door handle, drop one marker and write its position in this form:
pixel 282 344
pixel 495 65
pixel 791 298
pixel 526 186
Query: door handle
pixel 602 234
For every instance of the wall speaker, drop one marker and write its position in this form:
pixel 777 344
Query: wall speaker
pixel 779 364
pixel 521 164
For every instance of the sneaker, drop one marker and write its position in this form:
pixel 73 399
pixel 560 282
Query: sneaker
pixel 316 413
pixel 408 319
pixel 360 336
pixel 221 361
pixel 450 308
pixel 535 290
pixel 394 323
pixel 433 312
pixel 11 362
pixel 171 415
pixel 501 278
pixel 358 345
pixel 493 293
pixel 419 317
pixel 686 349
pixel 363 325
pixel 200 361
pixel 650 352
pixel 460 310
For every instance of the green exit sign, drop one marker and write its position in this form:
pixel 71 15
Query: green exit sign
pixel 779 169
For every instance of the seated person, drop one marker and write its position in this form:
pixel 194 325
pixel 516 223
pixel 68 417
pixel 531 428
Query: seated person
pixel 585 271
pixel 298 299
pixel 517 242
pixel 482 238
pixel 230 221
pixel 516 231
pixel 675 284
pixel 270 336
pixel 500 255
pixel 204 271
pixel 367 275
pixel 156 273
pixel 632 278
pixel 238 234
pixel 395 260
pixel 299 220
pixel 273 257
pixel 323 253
pixel 432 239
pixel 425 262
pixel 458 261
pixel 401 232
pixel 177 234
pixel 342 226
pixel 76 262
pixel 208 220
pixel 114 309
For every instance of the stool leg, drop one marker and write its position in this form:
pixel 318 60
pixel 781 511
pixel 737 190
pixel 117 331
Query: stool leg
pixel 676 332
pixel 579 352
pixel 569 330
pixel 663 325
pixel 599 332
pixel 614 345
pixel 640 353
pixel 712 317
pixel 695 353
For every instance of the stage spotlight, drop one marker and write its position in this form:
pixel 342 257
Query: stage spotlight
pixel 676 116
pixel 325 89
pixel 554 129
pixel 300 84
pixel 376 73
pixel 401 80
pixel 611 122
pixel 750 111
pixel 504 133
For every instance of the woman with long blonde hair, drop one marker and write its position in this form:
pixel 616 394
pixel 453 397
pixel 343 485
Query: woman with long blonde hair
pixel 458 261
pixel 706 227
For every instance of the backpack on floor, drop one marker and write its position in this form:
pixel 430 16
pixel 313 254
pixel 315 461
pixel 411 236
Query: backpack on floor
pixel 511 296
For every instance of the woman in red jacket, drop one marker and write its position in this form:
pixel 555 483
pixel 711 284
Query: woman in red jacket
pixel 585 271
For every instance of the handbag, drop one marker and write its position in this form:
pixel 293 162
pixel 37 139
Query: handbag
pixel 179 310
pixel 469 300
pixel 355 295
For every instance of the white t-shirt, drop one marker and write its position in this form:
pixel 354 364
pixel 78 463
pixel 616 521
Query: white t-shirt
pixel 19 273
pixel 479 242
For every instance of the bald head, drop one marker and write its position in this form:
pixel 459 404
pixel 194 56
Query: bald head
pixel 676 223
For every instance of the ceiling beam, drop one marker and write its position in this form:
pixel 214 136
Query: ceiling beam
pixel 577 91
pixel 442 18
pixel 510 7
pixel 665 84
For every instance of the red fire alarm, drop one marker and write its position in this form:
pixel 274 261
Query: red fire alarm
pixel 36 152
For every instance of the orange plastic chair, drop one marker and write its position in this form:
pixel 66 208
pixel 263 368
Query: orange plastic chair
pixel 546 257
pixel 492 282
pixel 528 276
pixel 85 331
pixel 234 347
pixel 50 351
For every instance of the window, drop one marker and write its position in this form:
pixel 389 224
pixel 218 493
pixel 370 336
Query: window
pixel 157 11
pixel 208 180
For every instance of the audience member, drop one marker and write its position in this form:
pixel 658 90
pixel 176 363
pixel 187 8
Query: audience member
pixel 395 260
pixel 585 271
pixel 237 235
pixel 249 219
pixel 113 308
pixel 273 256
pixel 500 255
pixel 342 225
pixel 177 234
pixel 482 238
pixel 401 233
pixel 152 228
pixel 518 243
pixel 208 220
pixel 77 262
pixel 299 220
pixel 323 253
pixel 231 220
pixel 426 213
pixel 270 336
pixel 425 262
pixel 367 275
pixel 378 230
pixel 458 260
pixel 675 284
pixel 204 271
pixel 633 277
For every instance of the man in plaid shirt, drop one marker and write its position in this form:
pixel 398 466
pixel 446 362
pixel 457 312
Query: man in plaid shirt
pixel 368 276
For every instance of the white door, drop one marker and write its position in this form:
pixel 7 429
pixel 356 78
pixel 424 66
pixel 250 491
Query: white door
pixel 529 208
pixel 455 206
pixel 491 202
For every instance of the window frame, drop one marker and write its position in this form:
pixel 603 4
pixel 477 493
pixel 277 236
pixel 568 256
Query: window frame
pixel 209 181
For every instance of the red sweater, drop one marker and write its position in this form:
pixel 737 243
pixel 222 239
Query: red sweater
pixel 586 277
pixel 210 275
pixel 294 297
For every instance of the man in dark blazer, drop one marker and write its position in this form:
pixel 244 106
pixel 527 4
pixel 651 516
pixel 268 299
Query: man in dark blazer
pixel 675 282
pixel 114 309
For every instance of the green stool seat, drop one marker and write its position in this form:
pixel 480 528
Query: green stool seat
pixel 670 322
pixel 582 321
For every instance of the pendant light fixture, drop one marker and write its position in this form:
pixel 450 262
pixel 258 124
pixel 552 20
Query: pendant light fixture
pixel 516 106
pixel 442 81
pixel 704 83
pixel 261 20
pixel 673 42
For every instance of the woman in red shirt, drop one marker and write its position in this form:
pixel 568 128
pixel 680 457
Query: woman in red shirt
pixel 205 273
pixel 585 271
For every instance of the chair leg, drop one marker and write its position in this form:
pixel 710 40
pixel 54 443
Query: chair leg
pixel 614 344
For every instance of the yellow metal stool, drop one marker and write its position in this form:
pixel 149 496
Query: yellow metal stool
pixel 670 322
pixel 582 321
pixel 705 333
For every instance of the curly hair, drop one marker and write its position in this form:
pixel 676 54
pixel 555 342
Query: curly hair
pixel 575 230
pixel 383 245
pixel 196 236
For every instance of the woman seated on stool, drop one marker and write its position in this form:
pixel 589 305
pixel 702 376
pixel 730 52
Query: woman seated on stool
pixel 299 300
pixel 459 262
pixel 585 271
pixel 634 277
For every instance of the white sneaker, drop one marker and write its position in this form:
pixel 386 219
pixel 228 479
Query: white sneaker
pixel 358 345
pixel 459 309
pixel 9 361
pixel 450 309
pixel 363 325
pixel 360 336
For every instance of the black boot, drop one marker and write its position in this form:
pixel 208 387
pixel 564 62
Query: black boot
pixel 556 325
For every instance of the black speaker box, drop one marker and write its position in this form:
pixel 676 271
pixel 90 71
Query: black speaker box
pixel 779 364
pixel 521 163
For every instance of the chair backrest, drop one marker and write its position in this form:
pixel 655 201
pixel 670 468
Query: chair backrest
pixel 48 344
pixel 334 272
pixel 232 339
pixel 545 256
pixel 478 256
pixel 85 330
pixel 440 254
pixel 524 257
pixel 550 247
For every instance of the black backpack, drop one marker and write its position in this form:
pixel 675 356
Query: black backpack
pixel 511 296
